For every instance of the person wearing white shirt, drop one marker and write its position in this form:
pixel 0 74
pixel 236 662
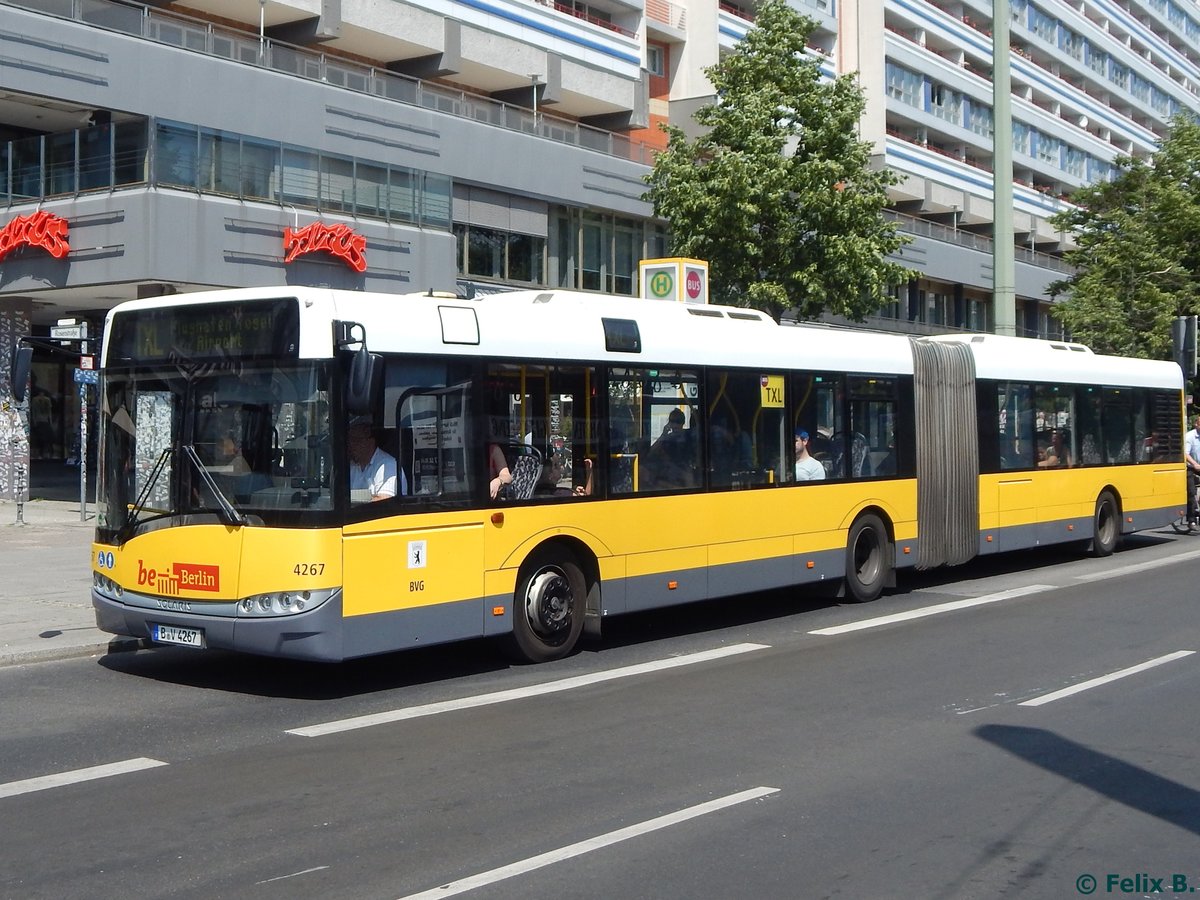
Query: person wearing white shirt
pixel 808 468
pixel 1191 455
pixel 372 469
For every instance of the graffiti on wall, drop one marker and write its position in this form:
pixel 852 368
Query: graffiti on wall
pixel 14 417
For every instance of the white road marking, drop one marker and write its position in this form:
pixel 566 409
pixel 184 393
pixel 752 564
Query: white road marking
pixel 536 690
pixel 45 782
pixel 1139 567
pixel 596 843
pixel 934 610
pixel 293 875
pixel 1105 679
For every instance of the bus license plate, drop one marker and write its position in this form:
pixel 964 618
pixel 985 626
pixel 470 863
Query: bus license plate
pixel 170 634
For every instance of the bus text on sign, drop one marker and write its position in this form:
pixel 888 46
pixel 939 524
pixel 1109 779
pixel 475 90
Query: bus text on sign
pixel 693 285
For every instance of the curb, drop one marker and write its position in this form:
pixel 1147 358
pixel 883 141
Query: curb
pixel 116 645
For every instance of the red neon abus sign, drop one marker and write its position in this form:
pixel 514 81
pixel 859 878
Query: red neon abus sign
pixel 39 229
pixel 339 240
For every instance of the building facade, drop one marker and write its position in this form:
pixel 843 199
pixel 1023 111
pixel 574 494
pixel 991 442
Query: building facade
pixel 405 146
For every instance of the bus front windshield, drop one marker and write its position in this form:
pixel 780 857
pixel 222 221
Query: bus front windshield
pixel 247 445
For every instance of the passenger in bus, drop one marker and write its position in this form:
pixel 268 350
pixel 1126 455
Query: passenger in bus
pixel 1057 454
pixel 808 468
pixel 669 460
pixel 498 472
pixel 552 475
pixel 372 469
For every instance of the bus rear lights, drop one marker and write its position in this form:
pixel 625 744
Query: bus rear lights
pixel 282 603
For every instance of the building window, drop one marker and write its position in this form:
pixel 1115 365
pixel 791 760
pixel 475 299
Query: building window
pixel 1049 150
pixel 1044 26
pixel 946 104
pixel 1118 74
pixel 981 120
pixel 904 85
pixel 656 63
pixel 1071 43
pixel 1021 134
pixel 500 255
pixel 596 252
pixel 1076 162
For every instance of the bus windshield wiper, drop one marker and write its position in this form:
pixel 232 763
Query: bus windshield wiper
pixel 230 513
pixel 139 505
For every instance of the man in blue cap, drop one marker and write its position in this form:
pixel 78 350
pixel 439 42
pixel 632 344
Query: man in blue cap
pixel 808 468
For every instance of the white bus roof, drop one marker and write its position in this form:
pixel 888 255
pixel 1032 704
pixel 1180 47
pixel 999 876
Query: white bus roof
pixel 1027 359
pixel 568 325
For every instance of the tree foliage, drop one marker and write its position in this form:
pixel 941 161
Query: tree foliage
pixel 1137 259
pixel 779 195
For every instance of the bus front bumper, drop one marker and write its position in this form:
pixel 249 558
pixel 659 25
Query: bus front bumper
pixel 315 634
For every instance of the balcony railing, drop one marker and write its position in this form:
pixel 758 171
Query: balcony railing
pixel 969 239
pixel 249 49
pixel 146 153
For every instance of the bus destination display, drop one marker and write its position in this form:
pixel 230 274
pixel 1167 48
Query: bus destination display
pixel 250 329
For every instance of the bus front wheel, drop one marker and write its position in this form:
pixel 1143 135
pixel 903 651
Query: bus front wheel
pixel 1106 527
pixel 867 563
pixel 548 607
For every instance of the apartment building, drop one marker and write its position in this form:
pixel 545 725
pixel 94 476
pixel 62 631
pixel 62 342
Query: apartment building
pixel 474 145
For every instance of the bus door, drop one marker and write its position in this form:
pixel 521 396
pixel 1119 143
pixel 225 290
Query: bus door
pixel 426 555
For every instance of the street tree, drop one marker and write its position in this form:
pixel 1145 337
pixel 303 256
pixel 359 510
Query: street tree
pixel 778 194
pixel 1137 259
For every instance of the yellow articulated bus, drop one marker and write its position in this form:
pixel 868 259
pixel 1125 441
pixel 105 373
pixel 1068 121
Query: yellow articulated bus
pixel 324 475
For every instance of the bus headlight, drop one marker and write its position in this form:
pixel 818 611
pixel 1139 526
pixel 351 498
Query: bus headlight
pixel 282 603
pixel 106 587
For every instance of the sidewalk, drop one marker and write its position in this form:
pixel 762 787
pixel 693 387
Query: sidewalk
pixel 45 569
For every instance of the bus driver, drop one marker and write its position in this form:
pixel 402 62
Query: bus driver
pixel 372 468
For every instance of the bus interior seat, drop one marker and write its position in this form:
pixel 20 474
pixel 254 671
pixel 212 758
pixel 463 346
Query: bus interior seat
pixel 526 471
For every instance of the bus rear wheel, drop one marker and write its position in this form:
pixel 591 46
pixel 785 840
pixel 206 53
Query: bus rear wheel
pixel 867 559
pixel 548 607
pixel 1106 530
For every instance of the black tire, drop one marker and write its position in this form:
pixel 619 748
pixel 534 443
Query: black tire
pixel 868 559
pixel 548 607
pixel 1106 525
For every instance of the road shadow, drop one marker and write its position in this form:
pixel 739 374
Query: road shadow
pixel 239 673
pixel 1132 786
pixel 298 680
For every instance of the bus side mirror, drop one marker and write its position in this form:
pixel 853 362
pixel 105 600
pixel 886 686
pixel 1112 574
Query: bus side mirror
pixel 363 383
pixel 22 363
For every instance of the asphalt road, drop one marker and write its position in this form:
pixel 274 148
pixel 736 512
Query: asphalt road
pixel 773 746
